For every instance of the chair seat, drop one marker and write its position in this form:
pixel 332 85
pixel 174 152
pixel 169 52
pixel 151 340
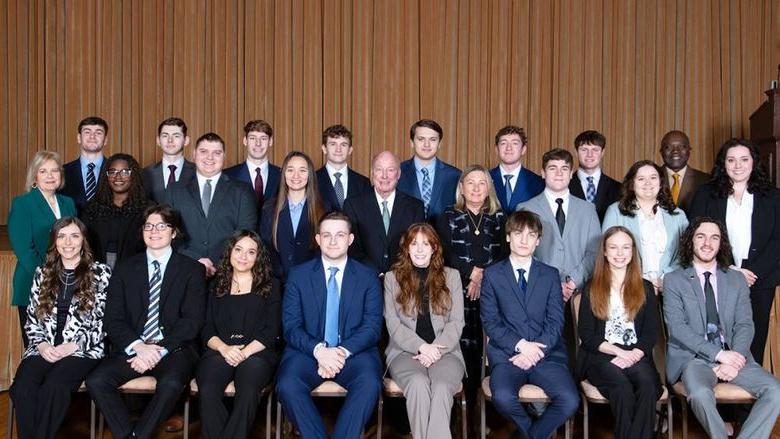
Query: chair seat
pixel 329 388
pixel 139 385
pixel 593 395
pixel 724 392
pixel 230 389
pixel 527 393
pixel 393 390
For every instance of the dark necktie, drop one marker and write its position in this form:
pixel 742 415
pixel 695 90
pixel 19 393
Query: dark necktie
pixel 521 282
pixel 152 327
pixel 508 189
pixel 713 320
pixel 338 188
pixel 91 181
pixel 560 217
pixel 259 187
pixel 591 193
pixel 171 176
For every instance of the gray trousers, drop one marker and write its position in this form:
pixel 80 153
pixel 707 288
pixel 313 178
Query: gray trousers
pixel 428 393
pixel 699 380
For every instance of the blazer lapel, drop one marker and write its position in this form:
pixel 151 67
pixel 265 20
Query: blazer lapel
pixel 533 276
pixel 509 278
pixel 345 301
pixel 171 274
pixel 520 188
pixel 375 217
pixel 303 223
pixel 319 290
pixel 220 194
pixel 725 298
pixel 142 279
pixel 43 205
pixel 194 190
pixel 693 279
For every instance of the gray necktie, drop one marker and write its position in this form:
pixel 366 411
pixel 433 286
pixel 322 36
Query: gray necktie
pixel 385 216
pixel 339 189
pixel 205 199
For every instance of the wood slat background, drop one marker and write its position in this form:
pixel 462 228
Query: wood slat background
pixel 631 69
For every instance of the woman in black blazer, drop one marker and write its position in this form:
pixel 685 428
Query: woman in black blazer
pixel 741 195
pixel 617 327
pixel 243 320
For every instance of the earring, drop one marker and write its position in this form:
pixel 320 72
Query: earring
pixel 34 185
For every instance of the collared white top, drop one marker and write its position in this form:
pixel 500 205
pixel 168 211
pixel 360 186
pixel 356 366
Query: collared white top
pixel 582 176
pixel 179 163
pixel 252 167
pixel 653 242
pixel 202 182
pixel 553 205
pixel 390 201
pixel 515 173
pixel 618 329
pixel 739 219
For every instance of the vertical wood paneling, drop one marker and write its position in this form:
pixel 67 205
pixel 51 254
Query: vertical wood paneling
pixel 631 69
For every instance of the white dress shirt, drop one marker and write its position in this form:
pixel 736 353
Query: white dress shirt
pixel 739 220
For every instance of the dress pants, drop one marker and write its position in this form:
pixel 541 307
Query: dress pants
pixel 556 381
pixel 250 376
pixel 428 392
pixel 361 376
pixel 172 373
pixel 41 393
pixel 699 380
pixel 632 394
pixel 761 300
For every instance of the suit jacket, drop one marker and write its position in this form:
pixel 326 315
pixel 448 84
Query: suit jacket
pixel 154 183
pixel 574 253
pixel 445 182
pixel 674 225
pixel 402 328
pixel 291 249
pixel 232 208
pixel 304 306
pixel 74 181
pixel 372 246
pixel 591 331
pixel 764 255
pixel 357 186
pixel 694 179
pixel 508 317
pixel 270 188
pixel 182 302
pixel 527 186
pixel 685 316
pixel 607 192
pixel 29 224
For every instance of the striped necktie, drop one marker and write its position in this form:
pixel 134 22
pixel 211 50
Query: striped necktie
pixel 152 331
pixel 591 193
pixel 426 188
pixel 91 181
pixel 339 189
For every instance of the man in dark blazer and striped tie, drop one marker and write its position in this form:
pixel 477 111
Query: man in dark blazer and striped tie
pixel 514 183
pixel 590 183
pixel 82 175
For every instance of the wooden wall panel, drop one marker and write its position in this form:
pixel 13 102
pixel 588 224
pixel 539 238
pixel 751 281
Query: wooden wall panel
pixel 631 69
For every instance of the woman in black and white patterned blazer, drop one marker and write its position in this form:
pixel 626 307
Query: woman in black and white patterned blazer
pixel 65 329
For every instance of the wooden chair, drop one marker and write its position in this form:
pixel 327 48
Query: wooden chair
pixel 230 391
pixel 145 385
pixel 82 389
pixel 590 394
pixel 725 393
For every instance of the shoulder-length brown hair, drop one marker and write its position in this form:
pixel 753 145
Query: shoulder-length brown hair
pixel 627 203
pixel 409 296
pixel 52 271
pixel 315 208
pixel 633 285
pixel 262 281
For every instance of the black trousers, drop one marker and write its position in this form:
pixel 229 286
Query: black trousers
pixel 41 393
pixel 250 376
pixel 762 305
pixel 22 320
pixel 632 395
pixel 172 373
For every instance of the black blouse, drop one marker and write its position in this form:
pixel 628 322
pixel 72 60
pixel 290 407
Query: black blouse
pixel 64 298
pixel 424 325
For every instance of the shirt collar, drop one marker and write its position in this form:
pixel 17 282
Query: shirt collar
pixel 390 198
pixel 681 172
pixel 202 180
pixel 292 205
pixel 179 163
pixel 252 166
pixel 327 264
pixel 515 172
pixel 331 170
pixel 431 166
pixel 163 260
pixel 85 161
pixel 551 197
pixel 584 175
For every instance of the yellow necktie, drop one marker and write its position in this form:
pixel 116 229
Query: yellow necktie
pixel 675 187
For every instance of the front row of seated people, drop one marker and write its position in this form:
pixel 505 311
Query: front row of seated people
pixel 156 304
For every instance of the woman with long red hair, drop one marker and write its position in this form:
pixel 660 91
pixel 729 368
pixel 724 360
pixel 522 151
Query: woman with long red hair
pixel 618 326
pixel 424 316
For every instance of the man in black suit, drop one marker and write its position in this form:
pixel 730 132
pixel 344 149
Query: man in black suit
pixel 172 138
pixel 684 180
pixel 257 171
pixel 211 204
pixel 155 308
pixel 380 217
pixel 83 174
pixel 591 183
pixel 336 181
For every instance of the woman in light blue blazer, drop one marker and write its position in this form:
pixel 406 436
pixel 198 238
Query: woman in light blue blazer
pixel 647 210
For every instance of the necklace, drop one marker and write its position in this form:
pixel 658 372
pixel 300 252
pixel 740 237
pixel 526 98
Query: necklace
pixel 65 279
pixel 477 224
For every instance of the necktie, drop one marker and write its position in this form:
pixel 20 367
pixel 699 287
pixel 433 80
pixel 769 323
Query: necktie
pixel 171 176
pixel 91 182
pixel 385 216
pixel 591 192
pixel 426 188
pixel 332 310
pixel 675 187
pixel 259 187
pixel 339 189
pixel 508 189
pixel 205 198
pixel 521 282
pixel 560 217
pixel 713 321
pixel 152 328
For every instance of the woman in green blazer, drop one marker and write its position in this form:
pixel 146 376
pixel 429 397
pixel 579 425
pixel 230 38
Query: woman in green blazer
pixel 29 223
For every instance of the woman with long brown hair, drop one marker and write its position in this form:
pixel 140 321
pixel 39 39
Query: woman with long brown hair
pixel 424 317
pixel 65 329
pixel 618 326
pixel 289 220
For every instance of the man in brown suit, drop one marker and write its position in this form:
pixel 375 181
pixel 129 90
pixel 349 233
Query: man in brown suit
pixel 683 179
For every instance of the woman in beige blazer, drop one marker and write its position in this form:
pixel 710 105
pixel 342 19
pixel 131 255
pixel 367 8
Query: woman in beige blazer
pixel 424 316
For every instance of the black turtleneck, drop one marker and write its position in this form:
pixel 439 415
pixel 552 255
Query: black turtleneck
pixel 424 326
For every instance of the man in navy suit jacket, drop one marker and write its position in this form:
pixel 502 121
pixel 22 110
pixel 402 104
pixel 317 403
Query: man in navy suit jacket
pixel 172 138
pixel 514 182
pixel 257 171
pixel 332 320
pixel 92 137
pixel 522 313
pixel 424 176
pixel 335 180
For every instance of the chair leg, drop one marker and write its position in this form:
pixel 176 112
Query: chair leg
pixel 379 412
pixel 279 419
pixel 670 419
pixel 481 401
pixel 100 425
pixel 463 416
pixel 92 410
pixel 186 432
pixel 585 419
pixel 268 415
pixel 684 405
pixel 10 432
pixel 569 426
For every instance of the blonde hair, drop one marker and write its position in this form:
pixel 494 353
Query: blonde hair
pixel 38 160
pixel 491 202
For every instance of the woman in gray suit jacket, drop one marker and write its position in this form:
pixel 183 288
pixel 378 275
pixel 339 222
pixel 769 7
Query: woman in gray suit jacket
pixel 424 316
pixel 647 210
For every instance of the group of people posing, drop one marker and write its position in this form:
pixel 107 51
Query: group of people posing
pixel 263 275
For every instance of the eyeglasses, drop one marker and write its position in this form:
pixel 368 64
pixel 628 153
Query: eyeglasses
pixel 126 172
pixel 160 227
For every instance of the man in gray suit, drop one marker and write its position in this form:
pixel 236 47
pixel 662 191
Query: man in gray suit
pixel 710 322
pixel 211 204
pixel 172 138
pixel 571 225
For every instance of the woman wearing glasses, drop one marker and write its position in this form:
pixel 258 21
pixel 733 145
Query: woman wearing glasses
pixel 115 215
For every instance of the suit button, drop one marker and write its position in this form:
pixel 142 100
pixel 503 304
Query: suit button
pixel 384 256
pixel 289 258
pixel 205 243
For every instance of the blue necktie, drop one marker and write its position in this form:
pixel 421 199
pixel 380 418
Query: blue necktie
pixel 91 181
pixel 590 195
pixel 426 188
pixel 508 190
pixel 152 328
pixel 332 310
pixel 521 282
